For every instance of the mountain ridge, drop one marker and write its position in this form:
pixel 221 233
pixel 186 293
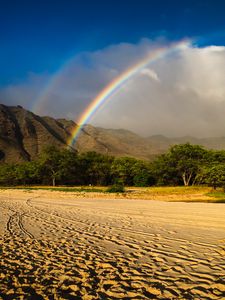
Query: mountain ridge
pixel 24 134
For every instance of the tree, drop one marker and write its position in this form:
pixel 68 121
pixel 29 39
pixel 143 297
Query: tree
pixel 213 157
pixel 2 154
pixel 122 168
pixel 56 163
pixel 28 173
pixel 141 174
pixel 181 164
pixel 164 172
pixel 69 165
pixel 187 160
pixel 96 168
pixel 213 175
pixel 7 174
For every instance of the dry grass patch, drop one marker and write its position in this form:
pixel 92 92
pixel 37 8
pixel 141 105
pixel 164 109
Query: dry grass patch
pixel 182 194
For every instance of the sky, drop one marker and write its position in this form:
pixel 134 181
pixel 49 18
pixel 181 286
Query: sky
pixel 57 56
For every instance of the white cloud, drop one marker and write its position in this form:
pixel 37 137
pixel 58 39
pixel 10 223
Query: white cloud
pixel 180 94
pixel 150 73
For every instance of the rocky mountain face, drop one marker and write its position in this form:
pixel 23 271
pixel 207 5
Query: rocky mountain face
pixel 119 142
pixel 24 134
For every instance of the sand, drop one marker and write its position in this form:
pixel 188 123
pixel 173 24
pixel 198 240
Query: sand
pixel 55 245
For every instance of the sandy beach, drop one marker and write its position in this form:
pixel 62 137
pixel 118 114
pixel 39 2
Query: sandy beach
pixel 57 245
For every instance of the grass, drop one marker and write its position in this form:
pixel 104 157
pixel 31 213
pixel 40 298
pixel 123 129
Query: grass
pixel 181 193
pixel 57 188
pixel 164 190
pixel 218 195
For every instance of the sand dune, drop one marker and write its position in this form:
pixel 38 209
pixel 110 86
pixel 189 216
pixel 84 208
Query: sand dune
pixel 56 246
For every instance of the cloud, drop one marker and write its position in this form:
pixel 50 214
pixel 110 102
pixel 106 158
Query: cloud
pixel 24 93
pixel 180 94
pixel 150 73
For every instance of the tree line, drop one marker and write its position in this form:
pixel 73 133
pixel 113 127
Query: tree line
pixel 183 164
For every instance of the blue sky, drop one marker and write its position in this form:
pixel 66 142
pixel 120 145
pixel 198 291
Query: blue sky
pixel 57 56
pixel 37 36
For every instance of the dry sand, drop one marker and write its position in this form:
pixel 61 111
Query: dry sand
pixel 54 245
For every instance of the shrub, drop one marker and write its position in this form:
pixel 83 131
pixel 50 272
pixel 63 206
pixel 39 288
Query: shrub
pixel 116 188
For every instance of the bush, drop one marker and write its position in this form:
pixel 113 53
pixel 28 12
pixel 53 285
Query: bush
pixel 116 188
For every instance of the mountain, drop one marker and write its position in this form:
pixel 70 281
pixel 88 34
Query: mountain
pixel 118 142
pixel 162 143
pixel 24 134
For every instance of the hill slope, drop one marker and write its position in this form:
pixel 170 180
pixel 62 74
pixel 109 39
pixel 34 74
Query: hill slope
pixel 162 143
pixel 24 134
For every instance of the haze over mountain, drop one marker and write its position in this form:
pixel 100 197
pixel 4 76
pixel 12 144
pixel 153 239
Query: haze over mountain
pixel 56 60
pixel 24 134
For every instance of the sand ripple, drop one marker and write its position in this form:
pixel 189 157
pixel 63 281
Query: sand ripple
pixel 59 247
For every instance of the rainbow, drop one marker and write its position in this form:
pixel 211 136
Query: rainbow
pixel 51 85
pixel 118 82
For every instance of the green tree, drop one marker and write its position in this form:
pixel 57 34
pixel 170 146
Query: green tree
pixel 164 171
pixel 122 168
pixel 69 165
pixel 96 168
pixel 28 173
pixel 187 160
pixel 56 164
pixel 213 175
pixel 181 164
pixel 7 174
pixel 141 173
pixel 213 157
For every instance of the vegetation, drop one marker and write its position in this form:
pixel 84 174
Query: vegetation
pixel 182 165
pixel 117 187
pixel 218 196
pixel 59 189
